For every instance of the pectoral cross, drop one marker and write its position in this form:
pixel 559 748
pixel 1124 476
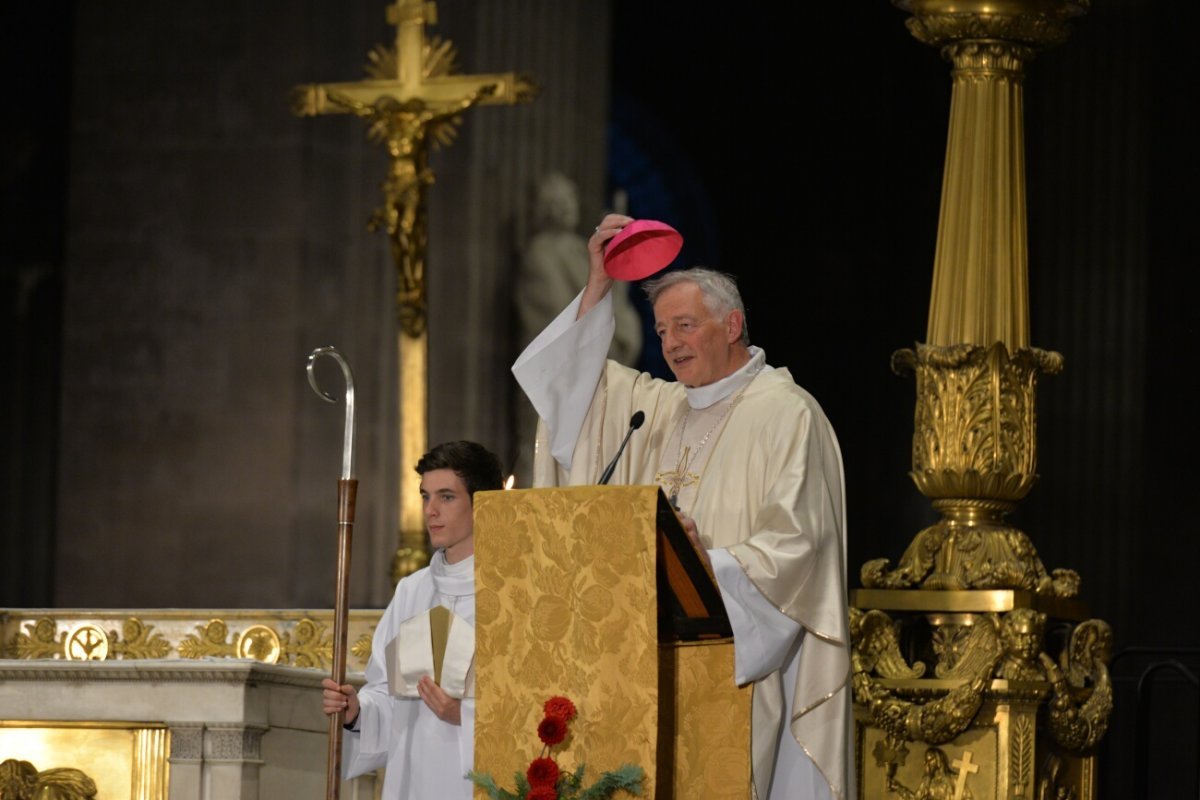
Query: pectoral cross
pixel 413 100
pixel 674 480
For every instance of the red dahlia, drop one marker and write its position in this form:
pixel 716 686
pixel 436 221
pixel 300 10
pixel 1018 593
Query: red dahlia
pixel 552 730
pixel 542 772
pixel 560 707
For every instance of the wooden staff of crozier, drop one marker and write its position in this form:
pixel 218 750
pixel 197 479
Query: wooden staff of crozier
pixel 347 489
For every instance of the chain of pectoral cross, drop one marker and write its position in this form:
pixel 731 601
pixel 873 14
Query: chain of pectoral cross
pixel 674 480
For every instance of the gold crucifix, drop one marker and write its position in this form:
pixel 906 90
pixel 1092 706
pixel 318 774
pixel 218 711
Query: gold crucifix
pixel 413 100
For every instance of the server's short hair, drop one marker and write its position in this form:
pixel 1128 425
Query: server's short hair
pixel 478 467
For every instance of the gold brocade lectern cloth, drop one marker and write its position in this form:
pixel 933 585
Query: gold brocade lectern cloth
pixel 567 604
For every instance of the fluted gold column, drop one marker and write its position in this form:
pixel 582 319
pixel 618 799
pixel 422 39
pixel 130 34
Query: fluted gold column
pixel 980 276
pixel 950 652
pixel 975 427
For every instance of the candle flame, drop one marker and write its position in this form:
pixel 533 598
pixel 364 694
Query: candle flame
pixel 508 484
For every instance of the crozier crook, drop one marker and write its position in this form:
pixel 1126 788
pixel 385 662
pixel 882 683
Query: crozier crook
pixel 348 439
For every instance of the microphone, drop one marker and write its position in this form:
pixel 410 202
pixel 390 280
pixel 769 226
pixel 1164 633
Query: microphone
pixel 635 422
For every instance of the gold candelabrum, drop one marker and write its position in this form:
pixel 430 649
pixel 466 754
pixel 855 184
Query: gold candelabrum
pixel 969 651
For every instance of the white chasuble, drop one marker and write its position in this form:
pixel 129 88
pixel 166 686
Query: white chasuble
pixel 766 492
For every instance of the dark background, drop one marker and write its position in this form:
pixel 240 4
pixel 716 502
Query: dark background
pixel 804 154
pixel 806 158
pixel 813 174
pixel 801 149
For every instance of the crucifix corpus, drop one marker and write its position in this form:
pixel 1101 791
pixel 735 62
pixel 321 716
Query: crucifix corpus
pixel 412 101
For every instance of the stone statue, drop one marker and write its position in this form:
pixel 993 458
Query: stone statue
pixel 553 269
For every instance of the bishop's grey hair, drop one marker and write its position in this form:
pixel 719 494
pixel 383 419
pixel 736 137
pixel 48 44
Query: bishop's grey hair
pixel 720 292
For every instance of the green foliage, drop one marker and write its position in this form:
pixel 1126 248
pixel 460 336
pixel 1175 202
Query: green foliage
pixel 628 777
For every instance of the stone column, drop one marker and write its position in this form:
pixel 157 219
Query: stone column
pixel 187 760
pixel 232 759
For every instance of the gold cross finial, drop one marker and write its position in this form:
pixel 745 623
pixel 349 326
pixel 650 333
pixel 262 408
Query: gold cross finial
pixel 417 11
pixel 410 17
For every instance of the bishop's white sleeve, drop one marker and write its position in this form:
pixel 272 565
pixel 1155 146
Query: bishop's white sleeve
pixel 762 634
pixel 560 369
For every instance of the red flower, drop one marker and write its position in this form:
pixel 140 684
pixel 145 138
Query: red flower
pixel 542 772
pixel 542 793
pixel 560 707
pixel 552 730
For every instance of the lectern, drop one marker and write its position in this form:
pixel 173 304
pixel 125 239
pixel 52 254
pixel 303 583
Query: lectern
pixel 595 593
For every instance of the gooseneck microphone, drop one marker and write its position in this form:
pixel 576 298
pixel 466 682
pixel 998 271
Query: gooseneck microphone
pixel 635 422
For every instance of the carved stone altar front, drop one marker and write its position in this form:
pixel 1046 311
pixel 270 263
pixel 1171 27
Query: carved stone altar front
pixel 178 704
pixel 184 730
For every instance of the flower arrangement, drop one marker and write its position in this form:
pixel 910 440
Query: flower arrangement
pixel 544 780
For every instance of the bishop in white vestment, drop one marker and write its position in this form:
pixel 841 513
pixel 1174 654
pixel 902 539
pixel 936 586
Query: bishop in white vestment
pixel 754 467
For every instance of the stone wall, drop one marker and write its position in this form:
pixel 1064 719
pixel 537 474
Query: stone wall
pixel 214 240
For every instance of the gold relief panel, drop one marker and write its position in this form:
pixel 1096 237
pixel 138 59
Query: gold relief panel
pixel 1001 756
pixel 70 759
pixel 299 638
pixel 964 768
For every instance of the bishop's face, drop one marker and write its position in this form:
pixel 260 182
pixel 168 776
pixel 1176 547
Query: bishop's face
pixel 447 506
pixel 700 348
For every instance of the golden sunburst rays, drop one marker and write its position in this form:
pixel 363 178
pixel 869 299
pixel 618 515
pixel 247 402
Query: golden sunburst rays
pixel 440 58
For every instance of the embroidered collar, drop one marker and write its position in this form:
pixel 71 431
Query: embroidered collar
pixel 705 396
